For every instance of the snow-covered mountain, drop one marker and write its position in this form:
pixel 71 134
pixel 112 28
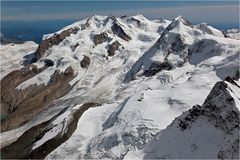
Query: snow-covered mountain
pixel 233 33
pixel 12 54
pixel 126 87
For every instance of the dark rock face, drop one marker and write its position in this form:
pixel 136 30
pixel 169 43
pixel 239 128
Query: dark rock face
pixel 113 47
pixel 54 40
pixel 123 16
pixel 114 19
pixel 230 80
pixel 48 62
pixel 156 67
pixel 22 105
pixel 100 38
pixel 204 27
pixel 136 20
pixel 107 20
pixel 73 47
pixel 86 24
pixel 85 62
pixel 160 29
pixel 117 29
pixel 225 34
pixel 178 44
pixel 219 101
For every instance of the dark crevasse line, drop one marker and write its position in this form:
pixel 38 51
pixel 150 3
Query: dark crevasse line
pixel 22 148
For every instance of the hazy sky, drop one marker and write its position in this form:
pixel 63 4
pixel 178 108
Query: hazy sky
pixel 195 11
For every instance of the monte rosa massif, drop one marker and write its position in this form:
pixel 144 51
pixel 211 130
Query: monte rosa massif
pixel 122 88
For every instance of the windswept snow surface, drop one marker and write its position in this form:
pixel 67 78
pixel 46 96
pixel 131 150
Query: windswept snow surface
pixel 12 55
pixel 135 108
pixel 233 33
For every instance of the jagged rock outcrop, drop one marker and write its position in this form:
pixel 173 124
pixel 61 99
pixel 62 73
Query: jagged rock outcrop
pixel 231 80
pixel 232 33
pixel 73 47
pixel 123 16
pixel 204 27
pixel 86 24
pixel 48 62
pixel 113 47
pixel 100 38
pixel 117 29
pixel 22 105
pixel 85 62
pixel 157 67
pixel 135 20
pixel 49 42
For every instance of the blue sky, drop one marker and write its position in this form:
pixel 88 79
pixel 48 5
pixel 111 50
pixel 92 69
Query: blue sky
pixel 195 11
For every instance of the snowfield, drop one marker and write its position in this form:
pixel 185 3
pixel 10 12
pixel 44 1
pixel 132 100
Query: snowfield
pixel 150 84
pixel 12 55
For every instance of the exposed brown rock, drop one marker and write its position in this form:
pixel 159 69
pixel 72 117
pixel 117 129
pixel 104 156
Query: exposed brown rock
pixel 155 68
pixel 86 24
pixel 22 148
pixel 117 29
pixel 100 38
pixel 113 47
pixel 8 85
pixel 22 105
pixel 85 62
pixel 54 40
pixel 73 47
pixel 113 18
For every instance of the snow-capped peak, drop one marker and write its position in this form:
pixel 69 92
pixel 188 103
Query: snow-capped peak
pixel 180 20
